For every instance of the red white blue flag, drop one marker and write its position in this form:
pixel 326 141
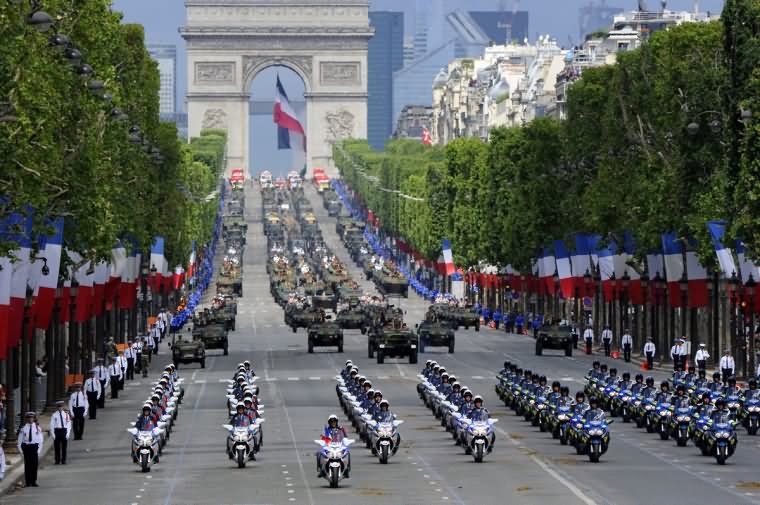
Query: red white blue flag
pixel 448 257
pixel 285 118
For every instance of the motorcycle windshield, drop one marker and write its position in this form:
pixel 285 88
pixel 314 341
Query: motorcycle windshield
pixel 595 418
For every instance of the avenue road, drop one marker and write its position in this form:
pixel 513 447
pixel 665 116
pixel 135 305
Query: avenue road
pixel 298 391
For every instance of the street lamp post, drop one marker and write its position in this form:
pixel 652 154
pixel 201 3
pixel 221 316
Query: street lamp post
pixel 658 292
pixel 625 282
pixel 683 284
pixel 555 297
pixel 750 286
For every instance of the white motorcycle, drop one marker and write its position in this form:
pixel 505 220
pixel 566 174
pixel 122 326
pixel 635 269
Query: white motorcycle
pixel 479 436
pixel 145 446
pixel 384 439
pixel 243 442
pixel 334 458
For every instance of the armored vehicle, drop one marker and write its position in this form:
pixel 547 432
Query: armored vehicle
pixel 213 336
pixel 188 351
pixel 554 337
pixel 325 333
pixel 435 334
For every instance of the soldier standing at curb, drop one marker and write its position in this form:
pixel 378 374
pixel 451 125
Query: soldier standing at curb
pixel 30 439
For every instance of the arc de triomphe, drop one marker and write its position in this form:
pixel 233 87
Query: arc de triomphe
pixel 324 41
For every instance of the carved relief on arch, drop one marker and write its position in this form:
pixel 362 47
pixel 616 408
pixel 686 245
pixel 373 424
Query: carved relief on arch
pixel 252 65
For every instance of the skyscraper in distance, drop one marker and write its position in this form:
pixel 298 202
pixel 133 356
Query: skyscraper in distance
pixel 166 57
pixel 385 55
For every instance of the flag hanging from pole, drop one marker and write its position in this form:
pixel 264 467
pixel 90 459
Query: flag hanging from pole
pixel 285 118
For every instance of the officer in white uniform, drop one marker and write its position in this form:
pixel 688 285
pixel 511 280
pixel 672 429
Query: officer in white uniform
pixel 78 404
pixel 130 354
pixel 115 375
pixel 60 430
pixel 123 365
pixel 701 357
pixel 626 342
pixel 727 365
pixel 30 440
pixel 94 391
pixel 588 337
pixel 649 350
pixel 607 339
pixel 101 372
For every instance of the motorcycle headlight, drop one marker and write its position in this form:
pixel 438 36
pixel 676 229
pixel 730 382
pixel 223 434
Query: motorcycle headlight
pixel 753 409
pixel 596 432
pixel 648 407
pixel 384 433
pixel 541 406
pixel 613 393
pixel 666 413
pixel 722 434
pixel 683 419
pixel 626 398
pixel 532 402
pixel 637 403
pixel 562 417
pixel 733 405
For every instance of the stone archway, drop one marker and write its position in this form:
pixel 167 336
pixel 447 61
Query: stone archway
pixel 324 41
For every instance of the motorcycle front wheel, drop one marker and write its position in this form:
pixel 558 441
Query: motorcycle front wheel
pixel 145 463
pixel 384 454
pixel 241 458
pixel 334 477
pixel 478 455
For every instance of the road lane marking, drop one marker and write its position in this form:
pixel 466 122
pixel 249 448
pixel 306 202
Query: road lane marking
pixel 478 377
pixel 315 378
pixel 553 473
pixel 294 378
pixel 200 381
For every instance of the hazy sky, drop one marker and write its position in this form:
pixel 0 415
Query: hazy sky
pixel 162 19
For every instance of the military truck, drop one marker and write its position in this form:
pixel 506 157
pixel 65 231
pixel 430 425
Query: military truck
pixel 435 334
pixel 303 317
pixel 333 208
pixel 229 285
pixel 352 317
pixel 465 316
pixel 188 351
pixel 391 282
pixel 213 336
pixel 227 316
pixel 325 299
pixel 325 333
pixel 554 337
pixel 392 341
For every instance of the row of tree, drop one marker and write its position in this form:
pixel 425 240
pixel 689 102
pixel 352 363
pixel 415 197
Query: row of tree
pixel 89 146
pixel 664 140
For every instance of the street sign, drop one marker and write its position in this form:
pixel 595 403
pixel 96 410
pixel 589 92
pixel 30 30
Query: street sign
pixel 587 303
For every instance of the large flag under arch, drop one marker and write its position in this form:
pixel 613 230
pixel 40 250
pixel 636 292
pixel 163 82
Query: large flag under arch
pixel 285 118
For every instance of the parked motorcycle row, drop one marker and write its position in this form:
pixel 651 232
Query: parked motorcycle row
pixel 575 422
pixel 244 431
pixel 151 431
pixel 461 413
pixel 368 412
pixel 686 407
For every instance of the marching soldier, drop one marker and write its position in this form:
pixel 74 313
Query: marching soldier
pixel 94 391
pixel 30 440
pixel 60 430
pixel 77 406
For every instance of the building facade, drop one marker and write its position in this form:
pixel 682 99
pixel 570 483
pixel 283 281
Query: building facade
pixel 413 120
pixel 166 57
pixel 385 55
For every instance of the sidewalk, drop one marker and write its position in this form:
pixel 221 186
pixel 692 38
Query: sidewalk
pixel 99 432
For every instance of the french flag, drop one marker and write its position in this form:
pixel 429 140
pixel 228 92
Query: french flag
pixel 547 265
pixel 607 269
pixel 448 257
pixel 717 231
pixel 116 271
pixel 85 276
pixel 50 249
pixel 285 118
pixel 6 277
pixel 157 260
pixel 674 267
pixel 697 276
pixel 20 276
pixel 564 270
pixel 581 263
pixel 635 293
pixel 179 277
pixel 191 262
pixel 102 271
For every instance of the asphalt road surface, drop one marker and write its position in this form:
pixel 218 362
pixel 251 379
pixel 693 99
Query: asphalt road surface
pixel 298 391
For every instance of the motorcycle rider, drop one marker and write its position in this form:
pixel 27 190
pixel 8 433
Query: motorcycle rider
pixel 730 387
pixel 594 411
pixel 678 374
pixel 594 372
pixel 664 395
pixel 347 370
pixel 721 414
pixel 240 418
pixel 612 377
pixel 455 397
pixel 701 380
pixel 378 397
pixel 625 382
pixel 249 370
pixel 580 406
pixel 505 370
pixel 333 432
pixel 554 394
pixel 637 386
pixel 690 376
pixel 467 403
pixel 480 414
pixel 564 399
pixel 145 421
pixel 752 392
pixel 705 409
pixel 680 400
pixel 384 414
pixel 716 386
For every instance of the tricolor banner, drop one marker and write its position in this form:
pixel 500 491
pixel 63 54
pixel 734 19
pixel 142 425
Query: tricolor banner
pixel 697 276
pixel 286 120
pixel 674 267
pixel 157 263
pixel 581 263
pixel 635 293
pixel 717 230
pixel 20 277
pixel 547 265
pixel 607 269
pixel 448 257
pixel 49 256
pixel 564 270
